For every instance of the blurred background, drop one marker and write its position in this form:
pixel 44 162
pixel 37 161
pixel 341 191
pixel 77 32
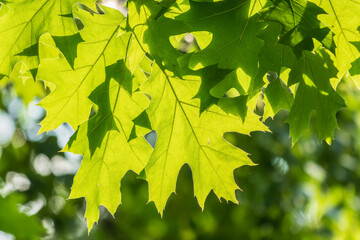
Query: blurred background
pixel 309 191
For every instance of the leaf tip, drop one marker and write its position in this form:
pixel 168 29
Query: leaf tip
pixel 41 130
pixel 90 224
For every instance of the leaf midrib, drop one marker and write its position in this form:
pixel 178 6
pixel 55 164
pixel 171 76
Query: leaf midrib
pixel 192 129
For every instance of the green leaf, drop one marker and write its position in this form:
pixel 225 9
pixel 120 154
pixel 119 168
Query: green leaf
pixel 187 137
pixel 300 24
pixel 314 93
pixel 342 16
pixel 69 101
pixel 25 21
pixel 274 56
pixel 277 97
pixel 104 143
pixel 355 67
pixel 23 83
pixel 234 45
pixel 152 31
pixel 209 77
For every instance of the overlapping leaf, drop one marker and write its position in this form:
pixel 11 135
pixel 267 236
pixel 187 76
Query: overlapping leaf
pixel 300 24
pixel 104 143
pixel 355 66
pixel 273 57
pixel 186 137
pixel 153 30
pixel 101 77
pixel 23 83
pixel 276 97
pixel 24 21
pixel 342 16
pixel 235 43
pixel 69 101
pixel 314 93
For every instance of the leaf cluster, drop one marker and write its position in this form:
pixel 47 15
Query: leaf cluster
pixel 190 70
